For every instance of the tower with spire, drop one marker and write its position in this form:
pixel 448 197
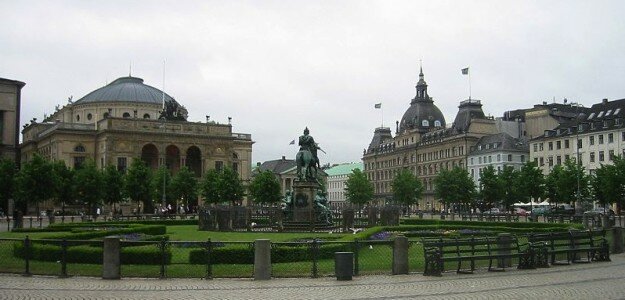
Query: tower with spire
pixel 422 88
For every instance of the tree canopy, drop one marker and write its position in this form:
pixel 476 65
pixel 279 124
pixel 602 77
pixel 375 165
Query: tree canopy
pixel 454 186
pixel 88 185
pixel 137 184
pixel 184 187
pixel 358 188
pixel 407 189
pixel 265 188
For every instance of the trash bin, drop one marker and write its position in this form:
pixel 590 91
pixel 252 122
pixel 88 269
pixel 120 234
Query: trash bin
pixel 344 265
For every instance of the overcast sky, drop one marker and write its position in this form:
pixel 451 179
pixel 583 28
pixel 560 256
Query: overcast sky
pixel 276 67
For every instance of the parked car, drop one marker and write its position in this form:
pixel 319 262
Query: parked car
pixel 521 212
pixel 563 209
pixel 599 211
pixel 539 211
pixel 492 211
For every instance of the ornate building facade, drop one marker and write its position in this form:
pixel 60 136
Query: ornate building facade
pixel 424 144
pixel 127 120
pixel 10 100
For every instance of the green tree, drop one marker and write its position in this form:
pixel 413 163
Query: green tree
pixel 137 185
pixel 113 186
pixel 33 183
pixel 531 183
pixel 184 187
pixel 7 183
pixel 407 189
pixel 210 187
pixel 230 186
pixel 491 190
pixel 509 180
pixel 454 186
pixel 605 185
pixel 63 185
pixel 552 183
pixel 161 183
pixel 265 188
pixel 358 188
pixel 88 185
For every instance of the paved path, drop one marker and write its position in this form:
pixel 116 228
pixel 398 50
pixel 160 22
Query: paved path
pixel 605 280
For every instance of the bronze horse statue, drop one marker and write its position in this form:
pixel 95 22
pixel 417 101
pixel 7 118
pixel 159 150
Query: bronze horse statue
pixel 306 161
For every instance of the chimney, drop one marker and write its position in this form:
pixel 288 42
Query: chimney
pixel 258 164
pixel 283 157
pixel 605 101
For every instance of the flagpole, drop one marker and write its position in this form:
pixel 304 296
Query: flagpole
pixel 382 111
pixel 469 83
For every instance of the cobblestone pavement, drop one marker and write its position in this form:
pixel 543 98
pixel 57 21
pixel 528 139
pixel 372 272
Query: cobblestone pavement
pixel 601 280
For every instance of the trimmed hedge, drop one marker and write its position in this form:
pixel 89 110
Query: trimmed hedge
pixel 279 254
pixel 131 228
pixel 85 254
pixel 144 222
pixel 524 225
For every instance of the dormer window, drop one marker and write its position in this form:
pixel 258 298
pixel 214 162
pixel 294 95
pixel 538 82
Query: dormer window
pixel 617 121
pixel 600 114
pixel 425 123
pixel 605 124
pixel 608 113
pixel 592 115
pixel 618 110
pixel 437 123
pixel 580 127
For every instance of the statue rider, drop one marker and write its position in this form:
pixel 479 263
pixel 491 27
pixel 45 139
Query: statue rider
pixel 307 142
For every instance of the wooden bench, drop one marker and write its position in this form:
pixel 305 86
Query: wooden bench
pixel 439 251
pixel 547 246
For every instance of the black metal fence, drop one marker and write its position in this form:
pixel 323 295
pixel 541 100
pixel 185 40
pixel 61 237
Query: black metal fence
pixel 190 259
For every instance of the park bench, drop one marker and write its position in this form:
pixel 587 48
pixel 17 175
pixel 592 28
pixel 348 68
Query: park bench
pixel 469 250
pixel 548 246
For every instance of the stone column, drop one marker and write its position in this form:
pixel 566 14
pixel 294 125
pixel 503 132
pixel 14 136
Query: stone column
pixel 400 255
pixel 262 259
pixel 111 262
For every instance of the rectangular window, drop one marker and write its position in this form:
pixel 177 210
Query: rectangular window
pixel 479 159
pixel 122 164
pixel 591 140
pixel 623 136
pixel 498 157
pixel 558 145
pixel 523 158
pixel 490 159
pixel 558 160
pixel 579 144
pixel 472 161
pixel 550 161
pixel 611 155
pixel 219 165
pixel 592 157
pixel 535 147
pixel 542 161
pixel 535 160
pixel 541 147
pixel 509 157
pixel 601 156
pixel 566 144
pixel 567 157
pixel 235 167
pixel 610 137
pixel 550 146
pixel 601 139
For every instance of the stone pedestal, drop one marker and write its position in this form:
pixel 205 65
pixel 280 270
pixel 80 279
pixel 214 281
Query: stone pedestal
pixel 400 255
pixel 304 193
pixel 617 240
pixel 262 259
pixel 348 218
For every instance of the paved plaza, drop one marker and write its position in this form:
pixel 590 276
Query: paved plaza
pixel 605 280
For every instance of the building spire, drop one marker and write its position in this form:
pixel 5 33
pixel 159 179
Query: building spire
pixel 420 69
pixel 130 69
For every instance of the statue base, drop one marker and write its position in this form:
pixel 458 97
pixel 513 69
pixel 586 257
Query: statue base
pixel 304 193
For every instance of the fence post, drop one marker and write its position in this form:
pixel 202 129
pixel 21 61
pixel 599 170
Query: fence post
pixel 356 251
pixel 162 246
pixel 315 256
pixel 111 260
pixel 27 255
pixel 400 255
pixel 31 222
pixel 209 267
pixel 64 258
pixel 262 259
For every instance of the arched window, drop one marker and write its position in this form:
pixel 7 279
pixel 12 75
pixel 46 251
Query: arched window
pixel 77 118
pixel 106 115
pixel 79 148
pixel 425 123
pixel 126 115
pixel 437 123
pixel 89 116
pixel 146 116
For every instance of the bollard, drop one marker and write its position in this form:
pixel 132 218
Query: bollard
pixel 400 255
pixel 111 262
pixel 344 265
pixel 617 240
pixel 262 259
pixel 504 241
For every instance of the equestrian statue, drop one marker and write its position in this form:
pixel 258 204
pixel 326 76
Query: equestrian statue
pixel 306 159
